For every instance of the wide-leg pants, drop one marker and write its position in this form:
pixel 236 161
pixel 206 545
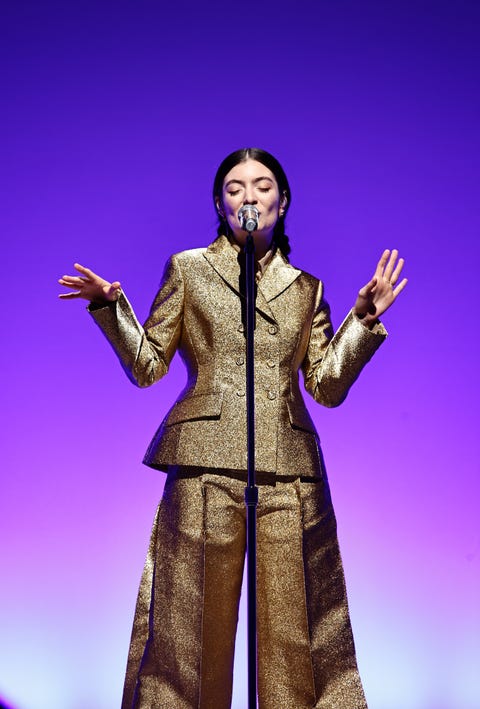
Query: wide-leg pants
pixel 182 646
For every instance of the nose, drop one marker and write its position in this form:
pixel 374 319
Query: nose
pixel 249 195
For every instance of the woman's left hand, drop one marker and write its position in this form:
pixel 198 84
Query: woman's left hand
pixel 379 293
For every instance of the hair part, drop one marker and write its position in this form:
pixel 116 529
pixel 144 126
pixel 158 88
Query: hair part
pixel 280 239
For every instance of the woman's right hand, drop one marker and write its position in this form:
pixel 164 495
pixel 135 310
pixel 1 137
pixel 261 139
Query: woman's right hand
pixel 89 286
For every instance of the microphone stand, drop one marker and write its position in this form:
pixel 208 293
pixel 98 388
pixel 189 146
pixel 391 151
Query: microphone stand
pixel 251 491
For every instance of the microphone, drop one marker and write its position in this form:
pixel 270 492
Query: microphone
pixel 248 217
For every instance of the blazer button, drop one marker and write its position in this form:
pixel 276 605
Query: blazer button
pixel 272 329
pixel 271 363
pixel 240 327
pixel 240 360
pixel 271 395
pixel 240 392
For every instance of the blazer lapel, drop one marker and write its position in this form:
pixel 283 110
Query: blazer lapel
pixel 278 275
pixel 223 258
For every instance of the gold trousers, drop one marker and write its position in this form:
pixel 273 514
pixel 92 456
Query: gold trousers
pixel 182 647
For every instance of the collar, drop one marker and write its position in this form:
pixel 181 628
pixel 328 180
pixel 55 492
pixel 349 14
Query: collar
pixel 261 263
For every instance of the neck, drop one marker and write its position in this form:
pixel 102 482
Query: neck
pixel 262 245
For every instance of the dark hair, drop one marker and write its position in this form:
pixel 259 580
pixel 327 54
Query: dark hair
pixel 280 239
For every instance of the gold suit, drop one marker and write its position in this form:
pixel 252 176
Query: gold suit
pixel 181 652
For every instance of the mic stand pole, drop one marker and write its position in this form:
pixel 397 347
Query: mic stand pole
pixel 251 491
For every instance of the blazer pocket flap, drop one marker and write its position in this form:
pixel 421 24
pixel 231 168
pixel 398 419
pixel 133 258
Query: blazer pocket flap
pixel 300 418
pixel 197 407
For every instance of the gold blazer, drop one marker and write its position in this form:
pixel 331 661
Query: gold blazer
pixel 198 311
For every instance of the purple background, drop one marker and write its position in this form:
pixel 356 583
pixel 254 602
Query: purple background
pixel 115 116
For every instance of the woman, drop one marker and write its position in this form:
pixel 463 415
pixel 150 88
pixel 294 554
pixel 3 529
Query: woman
pixel 182 647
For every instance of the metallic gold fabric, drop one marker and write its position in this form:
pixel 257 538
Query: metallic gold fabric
pixel 181 654
pixel 198 310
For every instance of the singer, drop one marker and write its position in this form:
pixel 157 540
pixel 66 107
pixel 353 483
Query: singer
pixel 182 646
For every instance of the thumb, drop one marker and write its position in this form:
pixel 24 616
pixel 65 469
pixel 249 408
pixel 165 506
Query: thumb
pixel 114 290
pixel 368 288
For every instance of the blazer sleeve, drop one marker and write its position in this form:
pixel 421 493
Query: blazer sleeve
pixel 334 361
pixel 145 352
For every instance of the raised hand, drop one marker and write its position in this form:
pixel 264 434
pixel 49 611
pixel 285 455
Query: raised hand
pixel 379 293
pixel 89 286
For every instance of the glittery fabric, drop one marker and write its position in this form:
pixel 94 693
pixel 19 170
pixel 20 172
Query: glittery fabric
pixel 198 311
pixel 182 644
pixel 181 653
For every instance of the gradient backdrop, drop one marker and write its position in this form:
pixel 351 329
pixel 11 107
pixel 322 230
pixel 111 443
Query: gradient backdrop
pixel 115 116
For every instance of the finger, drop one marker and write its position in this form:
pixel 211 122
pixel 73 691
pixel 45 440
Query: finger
pixel 86 271
pixel 381 264
pixel 114 291
pixel 69 296
pixel 390 265
pixel 397 271
pixel 368 288
pixel 72 281
pixel 398 289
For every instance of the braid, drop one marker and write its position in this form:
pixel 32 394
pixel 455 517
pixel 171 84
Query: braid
pixel 223 229
pixel 280 239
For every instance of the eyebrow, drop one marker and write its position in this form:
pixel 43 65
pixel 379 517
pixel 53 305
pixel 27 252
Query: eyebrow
pixel 257 179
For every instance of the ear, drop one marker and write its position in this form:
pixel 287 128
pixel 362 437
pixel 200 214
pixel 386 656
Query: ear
pixel 219 207
pixel 283 204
